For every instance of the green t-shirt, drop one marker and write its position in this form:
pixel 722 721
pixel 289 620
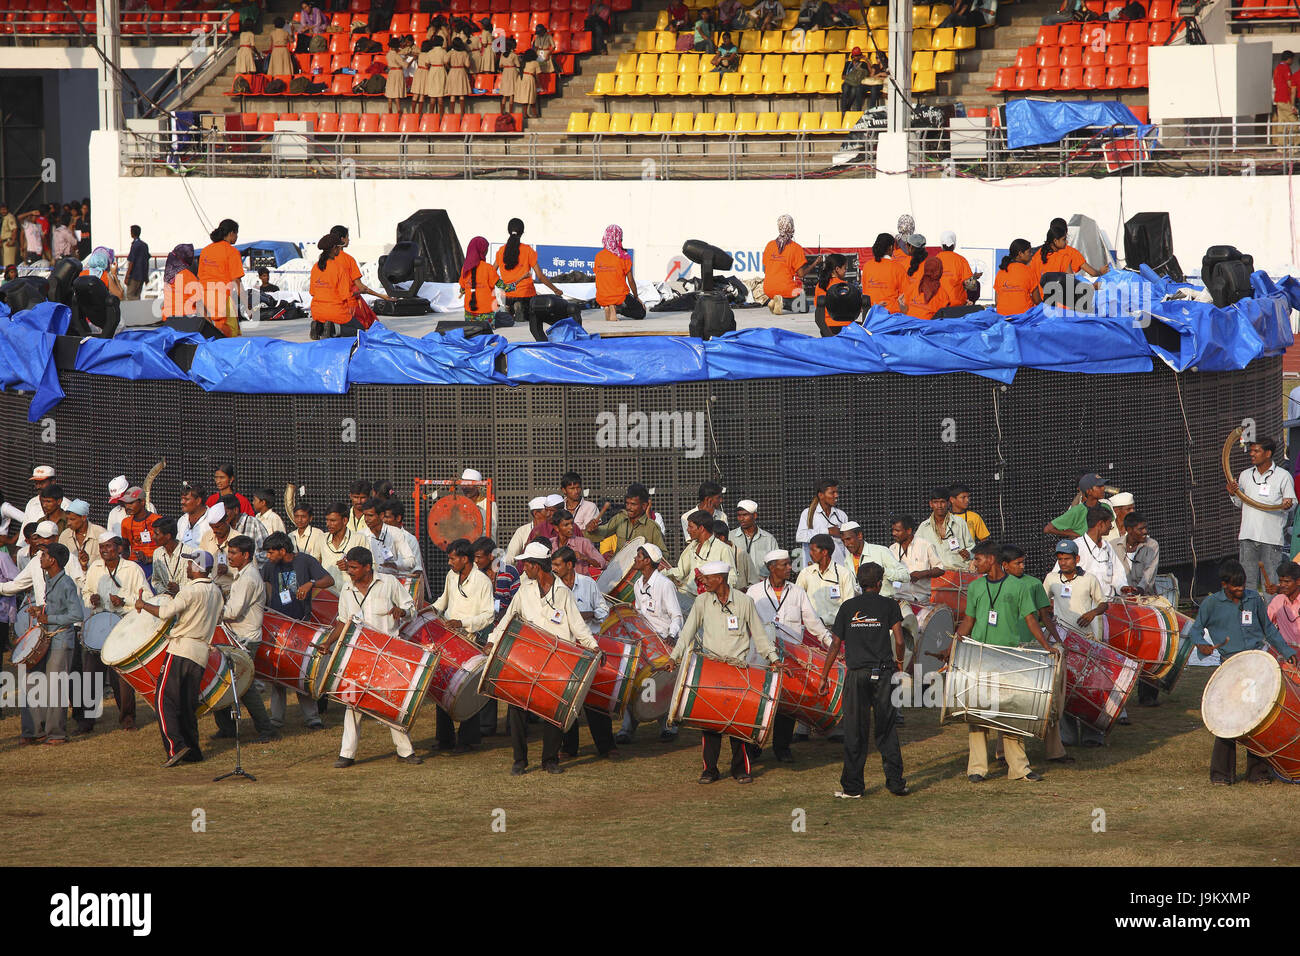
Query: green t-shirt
pixel 1076 518
pixel 1038 597
pixel 1010 598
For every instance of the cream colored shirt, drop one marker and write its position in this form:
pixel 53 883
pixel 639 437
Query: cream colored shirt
pixel 697 555
pixel 827 590
pixel 330 555
pixel 895 572
pixel 391 546
pixel 221 574
pixel 197 609
pixel 1084 595
pixel 468 601
pixel 271 521
pixel 555 612
pixel 728 630
pixel 245 607
pixel 791 608
pixel 518 541
pixel 954 532
pixel 309 543
pixel 919 556
pixel 375 606
pixel 126 581
pixel 91 543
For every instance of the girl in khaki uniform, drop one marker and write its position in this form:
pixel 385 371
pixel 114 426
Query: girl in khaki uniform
pixel 458 66
pixel 509 76
pixel 435 80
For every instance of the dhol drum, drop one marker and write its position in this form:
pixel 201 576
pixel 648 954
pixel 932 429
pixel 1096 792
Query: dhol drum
pixel 539 673
pixel 800 696
pixel 97 628
pixel 934 630
pixel 949 590
pixel 615 678
pixel 1148 629
pixel 31 647
pixel 414 585
pixel 325 607
pixel 1009 689
pixel 1098 679
pixel 735 700
pixel 289 653
pixel 23 620
pixel 653 688
pixel 228 674
pixel 619 577
pixel 454 686
pixel 381 676
pixel 1254 699
pixel 137 649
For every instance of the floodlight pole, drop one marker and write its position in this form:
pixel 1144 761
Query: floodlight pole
pixel 108 35
pixel 900 65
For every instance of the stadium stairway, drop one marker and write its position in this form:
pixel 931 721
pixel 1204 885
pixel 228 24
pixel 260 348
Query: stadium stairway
pixel 212 96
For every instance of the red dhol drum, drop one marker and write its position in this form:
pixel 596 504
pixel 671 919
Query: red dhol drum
pixel 413 584
pixel 381 676
pixel 539 673
pixel 653 687
pixel 800 697
pixel 1253 698
pixel 290 652
pixel 454 686
pixel 325 607
pixel 1098 679
pixel 228 674
pixel 1148 629
pixel 949 589
pixel 137 649
pixel 618 580
pixel 615 678
pixel 731 699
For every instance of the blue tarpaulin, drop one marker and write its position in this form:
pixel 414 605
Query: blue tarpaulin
pixel 135 354
pixel 387 357
pixel 271 366
pixel 27 354
pixel 1078 342
pixel 1035 122
pixel 284 251
pixel 573 357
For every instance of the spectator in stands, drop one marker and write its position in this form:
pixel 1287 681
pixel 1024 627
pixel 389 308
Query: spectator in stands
pixel 264 283
pixel 842 15
pixel 727 59
pixel 730 15
pixel 878 64
pixel 137 264
pixel 768 14
pixel 814 15
pixel 600 24
pixel 420 80
pixel 8 236
pixel 509 76
pixel 478 280
pixel 1067 11
pixel 182 293
pixel 857 71
pixel 526 85
pixel 615 283
pixel 1284 96
pixel 928 295
pixel 544 45
pixel 331 290
pixel 33 244
pixel 959 282
pixel 485 57
pixel 679 18
pixel 1014 289
pixel 704 32
pixel 435 80
pixel 784 264
pixel 280 63
pixel 102 264
pixel 64 241
pixel 311 23
pixel 438 28
pixel 395 87
pixel 958 16
pixel 458 67
pixel 381 16
pixel 221 270
pixel 246 57
pixel 517 267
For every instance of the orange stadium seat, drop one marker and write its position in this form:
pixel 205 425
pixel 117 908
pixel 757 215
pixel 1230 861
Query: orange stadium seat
pixel 368 123
pixel 1049 56
pixel 1048 79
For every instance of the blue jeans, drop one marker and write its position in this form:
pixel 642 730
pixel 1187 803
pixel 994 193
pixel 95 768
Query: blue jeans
pixel 1255 553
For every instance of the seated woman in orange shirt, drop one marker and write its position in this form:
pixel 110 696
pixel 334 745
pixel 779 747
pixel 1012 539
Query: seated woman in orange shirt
pixel 330 287
pixel 517 266
pixel 784 263
pixel 221 270
pixel 833 269
pixel 615 283
pixel 1014 288
pixel 182 292
pixel 478 280
pixel 1057 255
pixel 880 278
pixel 928 295
pixel 100 265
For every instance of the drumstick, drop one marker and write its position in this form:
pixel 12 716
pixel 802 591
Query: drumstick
pixel 1263 576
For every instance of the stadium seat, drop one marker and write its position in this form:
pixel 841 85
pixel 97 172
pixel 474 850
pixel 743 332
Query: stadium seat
pixel 400 24
pixel 1093 35
pixel 319 63
pixel 390 123
pixel 1049 56
pixel 1116 55
pixel 921 39
pixel 1137 78
pixel 338 61
pixel 1137 33
pixel 792 84
pixel 859 37
pixel 923 61
pixel 814 41
pixel 662 22
pixel 785 123
pixel 1116 78
pixel 851 118
pixel 963 38
pixel 725 123
pixel 1071 56
pixel 605 83
pixel 666 84
pixel 1068 35
pixel 879 40
pixel 1025 80
pixel 683 123
pixel 945 61
pixel 704 122
pixel 287 117
pixel 793 63
pixel 688 84
pixel 419 26
pixel 368 123
pixel 625 84
pixel 349 122
pixel 834 83
pixel 1094 77
pixel 518 23
pixel 1142 113
pixel 810 122
pixel 1071 78
pixel 733 83
pixel 747 123
pixel 790 21
pixel 410 124
pixel 749 41
pixel 813 63
pixel 361 62
pixel 1160 32
pixel 771 41
pixel 1115 32
pixel 645 84
pixel 1047 36
pixel 1003 80
pixel 710 83
pixel 772 85
pixel 327 123
pixel 687 63
pixel 771 63
pixel 667 63
pixel 938 13
pixel 645 41
pixel 665 42
pixel 1026 57
pixel 641 123
pixel 943 39
pixel 751 63
pixel 877 18
pixel 816 84
pixel 1048 79
pixel 578 122
pixel 647 63
pixel 626 63
pixel 1093 57
pixel 924 81
pixel 340 43
pixel 920 16
pixel 620 123
pixel 598 123
pixel 1137 56
pixel 311 118
pixel 661 123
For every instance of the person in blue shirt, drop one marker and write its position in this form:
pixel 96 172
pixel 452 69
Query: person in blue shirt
pixel 137 264
pixel 62 609
pixel 1232 620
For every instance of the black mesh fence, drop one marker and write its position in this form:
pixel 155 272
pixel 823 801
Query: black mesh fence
pixel 887 439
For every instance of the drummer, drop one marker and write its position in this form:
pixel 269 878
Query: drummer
pixel 919 557
pixel 950 536
pixel 81 537
pixel 655 599
pixel 725 624
pixel 1074 521
pixel 702 548
pixel 860 551
pixel 1098 557
pixel 137 529
pixel 196 608
pixel 1232 620
pixel 634 521
pixel 30 577
pixel 62 608
pixel 1013 560
pixel 864 625
pixel 995 606
pixel 546 604
pixel 591 603
pixel 750 538
pixel 786 612
pixel 827 585
pixel 110 583
pixel 338 541
pixel 242 620
pixel 288 581
pixel 378 601
pixel 567 536
pixel 170 559
pixel 391 549
pixel 466 605
pixel 1076 596
pixel 538 525
pixel 394 514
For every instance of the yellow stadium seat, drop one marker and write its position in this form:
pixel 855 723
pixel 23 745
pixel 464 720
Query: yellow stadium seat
pixel 792 84
pixel 941 39
pixel 810 122
pixel 704 122
pixel 835 62
pixel 792 42
pixel 793 63
pixel 749 41
pixel 645 84
pixel 771 63
pixel 711 83
pixel 921 39
pixel 833 120
pixel 787 123
pixel 922 61
pixel 662 123
pixel 733 83
pixel 621 123
pixel 604 84
pixel 625 84
pixel 816 83
pixel 879 39
pixel 751 63
pixel 688 84
pixel 851 118
pixel 599 123
pixel 772 41
pixel 647 62
pixel 666 84
pixel 938 13
pixel 683 123
pixel 814 41
pixel 963 38
pixel 767 122
pixel 665 42
pixel 689 63
pixel 813 63
pixel 945 61
pixel 640 123
pixel 835 41
pixel 857 37
pixel 772 84
pixel 920 16
pixel 725 123
pixel 791 18
pixel 923 82
pixel 878 18
pixel 667 63
pixel 834 83
pixel 578 122
pixel 662 22
pixel 645 41
pixel 747 122
pixel 626 63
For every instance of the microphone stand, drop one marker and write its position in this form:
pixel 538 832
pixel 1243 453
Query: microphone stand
pixel 236 713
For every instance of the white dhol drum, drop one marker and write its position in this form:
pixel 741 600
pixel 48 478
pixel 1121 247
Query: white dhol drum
pixel 1009 689
pixel 617 579
pixel 23 620
pixel 934 630
pixel 1256 700
pixel 97 628
pixel 31 647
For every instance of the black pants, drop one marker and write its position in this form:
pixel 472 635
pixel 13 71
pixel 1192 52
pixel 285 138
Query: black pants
pixel 852 96
pixel 1147 694
pixel 862 697
pixel 176 702
pixel 597 28
pixel 487 718
pixel 517 724
pixel 602 732
pixel 123 693
pixel 251 706
pixel 1223 762
pixel 782 733
pixel 743 754
pixel 471 731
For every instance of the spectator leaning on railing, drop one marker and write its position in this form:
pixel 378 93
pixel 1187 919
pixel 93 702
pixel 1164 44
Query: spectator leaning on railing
pixel 1284 111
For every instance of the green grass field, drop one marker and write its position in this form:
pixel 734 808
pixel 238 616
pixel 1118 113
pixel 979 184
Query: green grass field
pixel 105 800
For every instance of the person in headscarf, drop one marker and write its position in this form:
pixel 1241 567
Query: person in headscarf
pixel 615 284
pixel 516 264
pixel 182 292
pixel 784 263
pixel 478 281
pixel 100 264
pixel 928 295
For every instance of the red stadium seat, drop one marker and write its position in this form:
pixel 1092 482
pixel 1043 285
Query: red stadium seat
pixel 266 123
pixel 338 61
pixel 368 123
pixel 1137 56
pixel 389 122
pixel 361 62
pixel 1115 33
pixel 1161 10
pixel 1093 35
pixel 1049 56
pixel 318 63
pixel 560 20
pixel 518 23
pixel 501 22
pixel 1094 77
pixel 1071 56
pixel 523 41
pixel 1095 6
pixel 538 6
pixel 471 123
pixel 1112 5
pixel 1047 36
pixel 311 118
pixel 1026 57
pixel 1136 32
pixel 382 39
pixel 288 117
pixel 450 123
pixel 349 122
pixel 543 18
pixel 420 26
pixel 1160 32
pixel 581 42
pixel 518 6
pixel 1142 113
pixel 1116 78
pixel 304 62
pixel 1069 35
pixel 1092 57
pixel 1048 79
pixel 1071 78
pixel 340 43
pixel 1116 56
pixel 1003 80
pixel 340 21
pixel 410 124
pixel 400 24
pixel 1025 80
pixel 341 84
pixel 1137 78
pixel 430 122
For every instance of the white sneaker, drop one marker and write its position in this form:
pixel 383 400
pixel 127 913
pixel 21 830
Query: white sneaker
pixel 848 796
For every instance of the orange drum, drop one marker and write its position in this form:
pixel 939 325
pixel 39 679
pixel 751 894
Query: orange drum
pixel 615 678
pixel 731 699
pixel 799 694
pixel 325 607
pixel 454 686
pixel 1148 628
pixel 384 677
pixel 1255 699
pixel 137 649
pixel 539 673
pixel 654 678
pixel 1098 679
pixel 289 654
pixel 453 516
pixel 949 589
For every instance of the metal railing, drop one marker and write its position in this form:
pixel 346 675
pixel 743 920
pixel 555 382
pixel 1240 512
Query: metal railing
pixel 68 28
pixel 1261 14
pixel 177 85
pixel 1184 147
pixel 528 155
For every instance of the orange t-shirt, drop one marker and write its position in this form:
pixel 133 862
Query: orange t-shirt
pixel 1068 260
pixel 918 308
pixel 219 265
pixel 880 282
pixel 779 269
pixel 331 292
pixel 139 535
pixel 956 270
pixel 184 296
pixel 819 302
pixel 350 267
pixel 484 303
pixel 611 278
pixel 1011 289
pixel 521 275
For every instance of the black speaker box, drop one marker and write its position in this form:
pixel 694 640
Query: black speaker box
pixel 431 230
pixel 470 329
pixel 398 307
pixel 66 348
pixel 193 323
pixel 1229 283
pixel 711 316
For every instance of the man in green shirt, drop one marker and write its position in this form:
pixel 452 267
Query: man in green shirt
pixel 633 521
pixel 1013 562
pixel 995 606
pixel 1075 520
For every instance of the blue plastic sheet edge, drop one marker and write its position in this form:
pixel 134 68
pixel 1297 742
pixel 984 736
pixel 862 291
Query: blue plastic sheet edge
pixel 1036 122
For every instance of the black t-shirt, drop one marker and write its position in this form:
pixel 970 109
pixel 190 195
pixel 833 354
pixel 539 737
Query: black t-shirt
pixel 864 623
pixel 290 577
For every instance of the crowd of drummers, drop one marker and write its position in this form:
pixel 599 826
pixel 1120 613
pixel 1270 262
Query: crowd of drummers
pixel 580 611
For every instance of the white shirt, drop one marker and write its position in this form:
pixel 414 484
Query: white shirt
pixel 822 522
pixel 1103 563
pixel 919 556
pixel 718 515
pixel 271 521
pixel 1270 488
pixel 33 513
pixel 469 601
pixel 391 546
pixel 555 612
pixel 188 532
pixel 330 555
pixel 125 581
pixel 827 590
pixel 697 555
pixel 412 544
pixel 518 541
pixel 588 596
pixel 246 605
pixel 1084 595
pixel 309 543
pixel 197 609
pixel 895 571
pixel 656 601
pixel 376 605
pixel 793 610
